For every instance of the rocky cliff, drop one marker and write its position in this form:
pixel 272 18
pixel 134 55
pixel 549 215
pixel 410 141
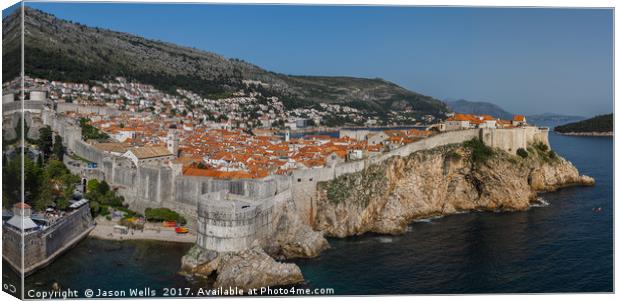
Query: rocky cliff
pixel 385 198
pixel 256 267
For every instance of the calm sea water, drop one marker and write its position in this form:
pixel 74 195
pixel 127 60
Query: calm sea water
pixel 563 247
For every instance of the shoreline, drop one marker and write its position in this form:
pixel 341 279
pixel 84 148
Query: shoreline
pixel 588 134
pixel 105 230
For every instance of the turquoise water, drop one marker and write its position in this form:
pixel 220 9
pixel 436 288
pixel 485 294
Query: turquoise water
pixel 563 247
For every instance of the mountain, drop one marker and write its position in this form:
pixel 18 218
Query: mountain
pixel 598 124
pixel 552 120
pixel 478 108
pixel 62 50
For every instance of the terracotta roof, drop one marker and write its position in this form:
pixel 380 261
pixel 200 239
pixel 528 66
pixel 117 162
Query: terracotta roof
pixel 519 118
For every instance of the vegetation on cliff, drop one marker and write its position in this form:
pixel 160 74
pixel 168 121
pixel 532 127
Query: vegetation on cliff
pixel 598 124
pixel 385 197
pixel 371 178
pixel 480 152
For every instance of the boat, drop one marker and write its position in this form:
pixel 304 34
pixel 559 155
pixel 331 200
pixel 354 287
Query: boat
pixel 181 230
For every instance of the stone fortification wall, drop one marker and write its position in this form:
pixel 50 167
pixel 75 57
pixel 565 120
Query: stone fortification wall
pixel 229 223
pixel 41 246
pixel 304 181
pixel 82 109
pixel 33 106
pixel 146 187
pixel 10 122
pixel 512 139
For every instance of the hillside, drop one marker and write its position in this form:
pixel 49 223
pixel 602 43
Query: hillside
pixel 478 108
pixel 598 124
pixel 66 51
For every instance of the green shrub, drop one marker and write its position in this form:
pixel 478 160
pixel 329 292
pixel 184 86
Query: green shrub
pixel 479 151
pixel 453 155
pixel 552 155
pixel 541 147
pixel 522 153
pixel 163 214
pixel 337 189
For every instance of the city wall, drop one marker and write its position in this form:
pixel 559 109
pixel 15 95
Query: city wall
pixel 43 246
pixel 229 222
pixel 164 186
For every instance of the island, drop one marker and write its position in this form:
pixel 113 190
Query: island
pixel 602 125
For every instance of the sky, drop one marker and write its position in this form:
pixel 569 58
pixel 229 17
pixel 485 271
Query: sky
pixel 526 60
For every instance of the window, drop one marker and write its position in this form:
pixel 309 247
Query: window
pixel 298 179
pixel 310 179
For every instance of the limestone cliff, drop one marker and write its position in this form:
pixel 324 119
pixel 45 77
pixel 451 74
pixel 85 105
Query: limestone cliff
pixel 384 198
pixel 255 267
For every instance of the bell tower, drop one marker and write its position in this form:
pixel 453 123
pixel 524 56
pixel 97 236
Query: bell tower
pixel 172 140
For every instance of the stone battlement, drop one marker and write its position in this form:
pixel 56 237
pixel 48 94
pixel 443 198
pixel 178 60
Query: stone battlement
pixel 229 222
pixel 164 186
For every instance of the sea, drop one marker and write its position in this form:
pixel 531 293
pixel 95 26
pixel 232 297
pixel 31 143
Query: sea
pixel 563 244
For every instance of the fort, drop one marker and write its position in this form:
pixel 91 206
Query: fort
pixel 41 245
pixel 230 213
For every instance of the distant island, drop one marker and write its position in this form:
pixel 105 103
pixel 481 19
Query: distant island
pixel 602 125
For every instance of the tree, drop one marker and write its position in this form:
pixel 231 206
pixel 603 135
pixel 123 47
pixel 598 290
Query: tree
pixel 103 187
pixel 58 148
pixel 92 185
pixel 45 141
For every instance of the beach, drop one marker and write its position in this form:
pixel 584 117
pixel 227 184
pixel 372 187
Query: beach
pixel 152 231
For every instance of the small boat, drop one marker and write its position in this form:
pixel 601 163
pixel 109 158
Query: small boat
pixel 181 230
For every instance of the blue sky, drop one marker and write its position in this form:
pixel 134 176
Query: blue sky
pixel 525 60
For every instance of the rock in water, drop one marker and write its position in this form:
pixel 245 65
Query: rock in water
pixel 199 262
pixel 253 268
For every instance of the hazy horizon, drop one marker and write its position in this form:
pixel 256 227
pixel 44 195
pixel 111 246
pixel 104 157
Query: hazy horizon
pixel 528 61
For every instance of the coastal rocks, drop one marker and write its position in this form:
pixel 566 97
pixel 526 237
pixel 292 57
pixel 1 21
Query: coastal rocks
pixel 296 239
pixel 386 197
pixel 551 177
pixel 253 268
pixel 199 262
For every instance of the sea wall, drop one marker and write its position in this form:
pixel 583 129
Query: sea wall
pixel 42 246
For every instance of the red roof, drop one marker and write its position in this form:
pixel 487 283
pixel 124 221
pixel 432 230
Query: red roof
pixel 519 118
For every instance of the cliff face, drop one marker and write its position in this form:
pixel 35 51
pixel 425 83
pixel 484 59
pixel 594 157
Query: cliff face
pixel 385 198
pixel 256 266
